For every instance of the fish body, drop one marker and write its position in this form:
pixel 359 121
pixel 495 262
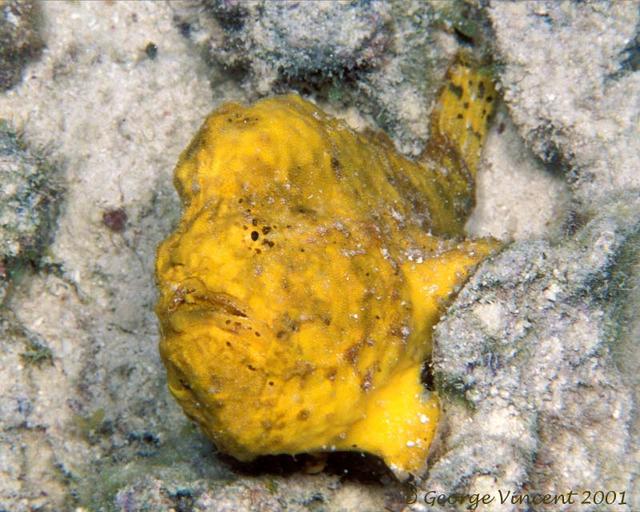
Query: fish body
pixel 298 293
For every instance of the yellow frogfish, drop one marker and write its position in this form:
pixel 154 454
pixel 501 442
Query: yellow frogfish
pixel 298 293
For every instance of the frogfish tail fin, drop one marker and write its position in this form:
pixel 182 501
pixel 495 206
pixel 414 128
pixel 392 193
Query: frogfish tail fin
pixel 459 126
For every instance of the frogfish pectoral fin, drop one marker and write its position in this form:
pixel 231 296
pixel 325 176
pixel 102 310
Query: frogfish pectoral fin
pixel 400 423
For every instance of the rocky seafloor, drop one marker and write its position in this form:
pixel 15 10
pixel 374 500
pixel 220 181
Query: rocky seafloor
pixel 537 361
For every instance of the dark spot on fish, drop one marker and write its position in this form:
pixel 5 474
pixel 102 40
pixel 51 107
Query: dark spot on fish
pixel 352 353
pixel 459 116
pixel 396 331
pixel 457 90
pixel 367 381
pixel 255 235
pixel 303 415
pixel 337 167
pixel 481 90
pixel 266 230
pixel 304 210
pixel 501 128
pixel 465 104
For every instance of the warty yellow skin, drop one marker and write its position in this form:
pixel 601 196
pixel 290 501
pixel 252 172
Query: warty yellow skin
pixel 300 289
